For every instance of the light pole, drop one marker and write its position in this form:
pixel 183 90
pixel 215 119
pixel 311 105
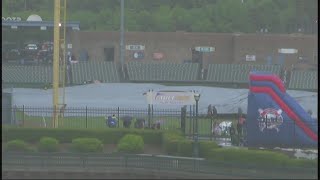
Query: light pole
pixel 196 147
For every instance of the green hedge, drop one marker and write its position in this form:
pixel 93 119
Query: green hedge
pixel 131 143
pixel 86 145
pixel 251 157
pixel 205 147
pixel 48 144
pixel 18 145
pixel 107 136
pixel 170 142
pixel 257 158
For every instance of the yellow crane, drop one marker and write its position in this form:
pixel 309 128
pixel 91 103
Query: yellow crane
pixel 58 42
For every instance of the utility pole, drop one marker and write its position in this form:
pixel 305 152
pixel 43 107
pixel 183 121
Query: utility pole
pixel 122 38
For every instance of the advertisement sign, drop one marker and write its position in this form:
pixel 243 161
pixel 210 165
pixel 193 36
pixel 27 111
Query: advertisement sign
pixel 250 57
pixel 287 51
pixel 170 97
pixel 138 55
pixel 11 18
pixel 135 47
pixel 158 56
pixel 204 49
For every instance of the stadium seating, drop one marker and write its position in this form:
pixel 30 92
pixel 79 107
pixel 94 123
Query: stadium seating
pixel 162 71
pixel 95 70
pixel 26 74
pixel 303 80
pixel 236 73
pixel 42 74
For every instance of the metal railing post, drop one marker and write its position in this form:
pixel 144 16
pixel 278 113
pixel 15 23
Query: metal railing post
pixel 23 116
pixel 149 116
pixel 86 116
pixel 118 117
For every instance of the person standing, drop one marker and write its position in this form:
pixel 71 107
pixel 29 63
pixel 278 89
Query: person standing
pixel 69 70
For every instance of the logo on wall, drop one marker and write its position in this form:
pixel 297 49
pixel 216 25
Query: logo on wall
pixel 138 55
pixel 158 56
pixel 11 18
pixel 135 47
pixel 270 118
pixel 250 57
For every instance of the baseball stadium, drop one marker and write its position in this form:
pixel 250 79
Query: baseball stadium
pixel 132 99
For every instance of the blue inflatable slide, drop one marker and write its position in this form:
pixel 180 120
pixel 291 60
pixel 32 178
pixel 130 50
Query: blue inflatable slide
pixel 274 118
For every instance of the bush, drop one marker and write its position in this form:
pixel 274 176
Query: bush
pixel 86 145
pixel 248 157
pixel 17 146
pixel 185 148
pixel 206 147
pixel 66 135
pixel 131 143
pixel 170 142
pixel 48 144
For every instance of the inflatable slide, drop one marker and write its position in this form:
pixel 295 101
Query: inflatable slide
pixel 274 118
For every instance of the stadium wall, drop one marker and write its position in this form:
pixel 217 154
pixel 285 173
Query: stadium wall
pixel 176 46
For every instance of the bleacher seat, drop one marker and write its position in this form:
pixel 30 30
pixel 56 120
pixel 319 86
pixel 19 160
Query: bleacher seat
pixel 236 73
pixel 162 71
pixel 303 80
pixel 95 70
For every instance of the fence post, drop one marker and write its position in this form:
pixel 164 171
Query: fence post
pixel 152 112
pixel 118 117
pixel 211 128
pixel 86 116
pixel 190 124
pixel 149 116
pixel 22 115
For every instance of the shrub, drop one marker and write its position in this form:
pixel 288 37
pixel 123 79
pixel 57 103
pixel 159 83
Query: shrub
pixel 17 146
pixel 131 143
pixel 48 144
pixel 248 157
pixel 185 148
pixel 170 142
pixel 205 147
pixel 86 145
pixel 66 135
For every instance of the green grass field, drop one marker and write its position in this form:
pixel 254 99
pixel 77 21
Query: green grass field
pixel 167 122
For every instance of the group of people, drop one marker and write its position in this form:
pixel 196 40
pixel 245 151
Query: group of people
pixel 139 123
pixel 238 134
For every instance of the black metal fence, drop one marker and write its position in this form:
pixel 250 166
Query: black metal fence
pixel 147 162
pixel 88 117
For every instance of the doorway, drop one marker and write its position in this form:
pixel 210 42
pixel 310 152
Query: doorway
pixel 108 54
pixel 197 57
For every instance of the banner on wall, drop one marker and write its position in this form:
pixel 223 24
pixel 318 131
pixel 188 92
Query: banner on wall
pixel 158 56
pixel 250 57
pixel 135 47
pixel 138 55
pixel 287 51
pixel 170 97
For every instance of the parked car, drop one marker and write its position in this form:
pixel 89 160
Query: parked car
pixel 31 47
pixel 45 56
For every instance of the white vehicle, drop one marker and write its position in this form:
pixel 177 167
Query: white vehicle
pixel 32 47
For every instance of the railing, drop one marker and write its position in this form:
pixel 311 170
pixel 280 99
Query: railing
pixel 88 117
pixel 103 162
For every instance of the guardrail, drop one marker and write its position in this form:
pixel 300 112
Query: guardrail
pixel 103 162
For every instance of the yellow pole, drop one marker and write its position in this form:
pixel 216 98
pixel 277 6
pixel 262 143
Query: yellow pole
pixel 56 49
pixel 64 56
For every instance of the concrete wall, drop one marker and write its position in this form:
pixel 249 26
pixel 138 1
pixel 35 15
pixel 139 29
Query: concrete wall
pixel 176 46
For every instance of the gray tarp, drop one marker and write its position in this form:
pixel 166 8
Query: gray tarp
pixel 130 95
